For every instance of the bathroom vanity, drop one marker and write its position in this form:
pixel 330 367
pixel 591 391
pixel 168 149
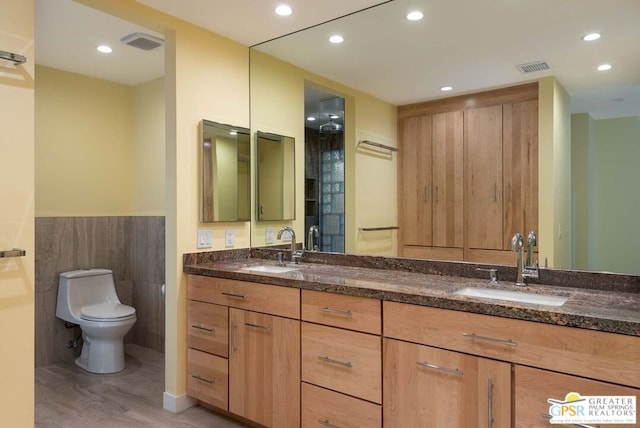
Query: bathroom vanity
pixel 350 341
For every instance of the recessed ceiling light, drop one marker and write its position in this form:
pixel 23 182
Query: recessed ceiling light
pixel 336 38
pixel 591 37
pixel 446 88
pixel 233 132
pixel 333 116
pixel 104 49
pixel 283 10
pixel 604 67
pixel 311 118
pixel 415 15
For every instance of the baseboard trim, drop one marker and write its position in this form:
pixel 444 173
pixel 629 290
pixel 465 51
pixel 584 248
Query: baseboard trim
pixel 176 403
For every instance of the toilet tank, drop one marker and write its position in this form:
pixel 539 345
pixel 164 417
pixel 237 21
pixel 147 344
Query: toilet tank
pixel 84 287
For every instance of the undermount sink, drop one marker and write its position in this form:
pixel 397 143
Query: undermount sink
pixel 513 296
pixel 270 269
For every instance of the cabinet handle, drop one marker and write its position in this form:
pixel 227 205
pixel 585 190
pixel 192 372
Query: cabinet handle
pixel 490 403
pixel 327 424
pixel 509 192
pixel 237 296
pixel 436 195
pixel 335 311
pixel 205 380
pixel 495 192
pixel 474 336
pixel 427 365
pixel 200 327
pixel 234 328
pixel 424 194
pixel 548 416
pixel 337 362
pixel 261 327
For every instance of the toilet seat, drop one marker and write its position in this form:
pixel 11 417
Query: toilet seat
pixel 105 312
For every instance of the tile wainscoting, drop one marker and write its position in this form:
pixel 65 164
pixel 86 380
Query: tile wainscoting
pixel 133 247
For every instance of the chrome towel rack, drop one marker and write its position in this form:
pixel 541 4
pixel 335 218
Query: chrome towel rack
pixel 373 229
pixel 16 252
pixel 380 145
pixel 13 57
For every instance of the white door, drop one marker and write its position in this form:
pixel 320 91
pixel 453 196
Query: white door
pixel 17 215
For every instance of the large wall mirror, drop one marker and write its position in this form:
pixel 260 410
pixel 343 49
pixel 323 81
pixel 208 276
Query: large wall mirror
pixel 275 171
pixel 226 172
pixel 403 62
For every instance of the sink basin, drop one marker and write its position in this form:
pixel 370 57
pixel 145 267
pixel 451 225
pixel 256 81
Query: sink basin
pixel 513 296
pixel 270 269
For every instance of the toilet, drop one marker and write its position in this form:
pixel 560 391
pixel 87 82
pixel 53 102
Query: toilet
pixel 88 298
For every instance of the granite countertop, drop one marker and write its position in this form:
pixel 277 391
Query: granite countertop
pixel 596 309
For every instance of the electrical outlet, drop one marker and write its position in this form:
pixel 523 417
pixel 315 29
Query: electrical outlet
pixel 205 239
pixel 559 230
pixel 268 238
pixel 229 238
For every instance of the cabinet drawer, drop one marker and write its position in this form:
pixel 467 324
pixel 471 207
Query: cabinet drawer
pixel 208 378
pixel 342 360
pixel 270 299
pixel 352 312
pixel 533 387
pixel 594 354
pixel 324 408
pixel 208 327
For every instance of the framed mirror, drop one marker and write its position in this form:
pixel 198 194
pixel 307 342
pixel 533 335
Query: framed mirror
pixel 226 173
pixel 275 172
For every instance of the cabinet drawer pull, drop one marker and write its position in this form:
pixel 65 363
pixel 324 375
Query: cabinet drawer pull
pixel 335 311
pixel 261 327
pixel 234 295
pixel 548 416
pixel 200 327
pixel 232 345
pixel 474 336
pixel 205 380
pixel 327 424
pixel 428 365
pixel 490 403
pixel 338 362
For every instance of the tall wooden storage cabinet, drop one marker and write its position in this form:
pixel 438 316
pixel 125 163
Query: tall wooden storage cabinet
pixel 468 175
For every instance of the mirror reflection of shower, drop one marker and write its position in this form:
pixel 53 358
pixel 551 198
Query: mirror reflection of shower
pixel 324 169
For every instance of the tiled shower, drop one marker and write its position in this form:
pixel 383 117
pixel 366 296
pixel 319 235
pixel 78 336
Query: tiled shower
pixel 132 247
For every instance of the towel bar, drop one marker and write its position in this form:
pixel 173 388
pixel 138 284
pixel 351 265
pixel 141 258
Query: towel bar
pixel 16 252
pixel 13 57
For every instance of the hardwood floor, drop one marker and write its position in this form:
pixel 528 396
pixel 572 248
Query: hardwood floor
pixel 68 397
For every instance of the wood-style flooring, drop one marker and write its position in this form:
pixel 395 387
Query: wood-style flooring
pixel 68 397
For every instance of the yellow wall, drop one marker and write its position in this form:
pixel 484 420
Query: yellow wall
pixel 84 129
pixel 148 150
pixel 554 175
pixel 17 216
pixel 277 106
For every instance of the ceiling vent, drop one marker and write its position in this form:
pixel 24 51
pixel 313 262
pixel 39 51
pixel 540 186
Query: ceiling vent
pixel 142 41
pixel 533 67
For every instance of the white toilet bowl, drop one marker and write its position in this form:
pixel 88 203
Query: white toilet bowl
pixel 88 298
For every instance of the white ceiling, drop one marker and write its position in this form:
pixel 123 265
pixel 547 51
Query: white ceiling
pixel 469 44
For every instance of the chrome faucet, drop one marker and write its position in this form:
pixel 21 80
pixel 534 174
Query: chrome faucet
pixel 528 269
pixel 295 254
pixel 517 242
pixel 312 239
pixel 531 267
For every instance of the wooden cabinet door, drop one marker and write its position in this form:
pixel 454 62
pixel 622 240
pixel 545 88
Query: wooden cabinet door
pixel 264 368
pixel 520 155
pixel 483 159
pixel 415 180
pixel 430 387
pixel 534 386
pixel 447 178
